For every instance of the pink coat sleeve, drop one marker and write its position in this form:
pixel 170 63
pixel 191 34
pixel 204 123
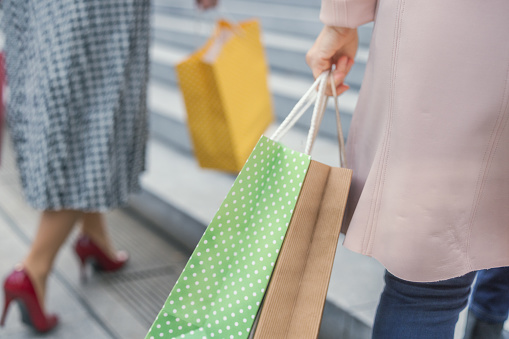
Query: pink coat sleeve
pixel 347 13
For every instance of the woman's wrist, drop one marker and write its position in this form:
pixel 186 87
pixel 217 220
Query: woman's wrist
pixel 340 30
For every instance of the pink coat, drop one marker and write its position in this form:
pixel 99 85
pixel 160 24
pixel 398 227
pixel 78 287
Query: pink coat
pixel 429 141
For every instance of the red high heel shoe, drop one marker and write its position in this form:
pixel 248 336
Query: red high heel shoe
pixel 18 287
pixel 88 251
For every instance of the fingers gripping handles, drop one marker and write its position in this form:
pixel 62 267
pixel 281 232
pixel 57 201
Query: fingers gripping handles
pixel 315 94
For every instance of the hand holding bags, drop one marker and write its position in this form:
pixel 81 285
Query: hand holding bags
pixel 222 286
pixel 225 90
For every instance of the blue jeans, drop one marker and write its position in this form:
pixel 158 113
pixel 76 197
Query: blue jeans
pixel 409 310
pixel 490 298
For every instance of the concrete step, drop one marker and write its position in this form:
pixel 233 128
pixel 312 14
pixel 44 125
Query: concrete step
pixel 278 16
pixel 285 52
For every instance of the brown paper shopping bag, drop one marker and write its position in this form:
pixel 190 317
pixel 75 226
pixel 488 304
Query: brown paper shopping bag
pixel 295 298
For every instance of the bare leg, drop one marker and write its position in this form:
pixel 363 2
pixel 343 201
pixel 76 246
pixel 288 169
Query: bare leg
pixel 94 226
pixel 54 228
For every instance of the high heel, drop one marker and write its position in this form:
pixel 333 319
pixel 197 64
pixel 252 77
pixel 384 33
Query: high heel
pixel 8 300
pixel 18 287
pixel 88 251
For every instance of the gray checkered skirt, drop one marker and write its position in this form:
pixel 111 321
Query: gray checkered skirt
pixel 77 72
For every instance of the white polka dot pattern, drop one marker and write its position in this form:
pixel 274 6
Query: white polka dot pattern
pixel 220 290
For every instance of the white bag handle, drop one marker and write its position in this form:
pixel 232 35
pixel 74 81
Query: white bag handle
pixel 318 112
pixel 298 110
pixel 341 139
pixel 320 99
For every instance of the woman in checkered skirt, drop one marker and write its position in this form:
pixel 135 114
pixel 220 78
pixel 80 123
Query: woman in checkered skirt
pixel 77 73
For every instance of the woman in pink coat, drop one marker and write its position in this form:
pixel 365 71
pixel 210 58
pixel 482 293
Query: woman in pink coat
pixel 429 146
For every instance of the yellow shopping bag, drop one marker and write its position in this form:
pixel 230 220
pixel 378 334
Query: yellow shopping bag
pixel 227 99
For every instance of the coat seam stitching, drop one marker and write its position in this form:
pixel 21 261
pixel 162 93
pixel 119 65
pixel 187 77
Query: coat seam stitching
pixel 352 139
pixel 392 109
pixel 381 172
pixel 488 157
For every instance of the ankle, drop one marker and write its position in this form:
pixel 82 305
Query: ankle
pixel 38 276
pixel 36 271
pixel 101 241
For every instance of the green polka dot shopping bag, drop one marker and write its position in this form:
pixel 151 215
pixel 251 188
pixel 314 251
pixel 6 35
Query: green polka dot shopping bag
pixel 279 224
